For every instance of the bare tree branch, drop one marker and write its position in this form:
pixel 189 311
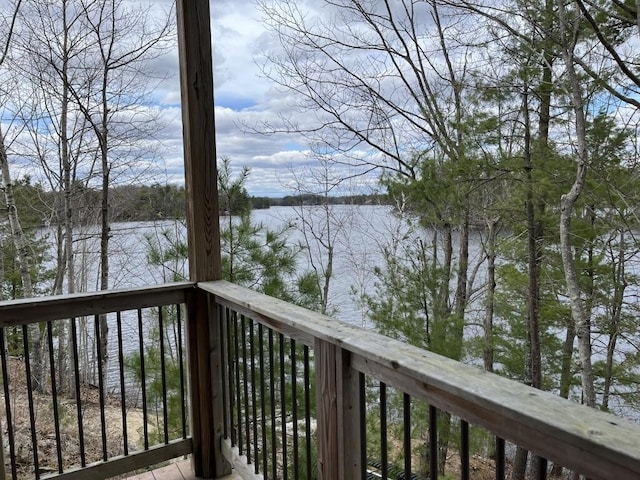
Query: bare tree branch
pixel 7 42
pixel 622 64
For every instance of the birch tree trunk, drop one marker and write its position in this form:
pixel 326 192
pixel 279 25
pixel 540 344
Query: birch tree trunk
pixel 567 205
pixel 1 266
pixel 24 262
pixel 63 340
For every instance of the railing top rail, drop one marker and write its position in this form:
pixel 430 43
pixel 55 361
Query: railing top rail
pixel 42 309
pixel 593 442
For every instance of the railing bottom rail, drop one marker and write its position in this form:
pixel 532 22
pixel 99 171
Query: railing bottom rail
pixel 129 463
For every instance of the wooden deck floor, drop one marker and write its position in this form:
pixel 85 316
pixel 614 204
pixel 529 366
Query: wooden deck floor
pixel 175 471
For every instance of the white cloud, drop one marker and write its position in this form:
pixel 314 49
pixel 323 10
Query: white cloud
pixel 244 99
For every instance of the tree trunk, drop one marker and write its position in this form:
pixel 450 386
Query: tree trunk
pixel 567 205
pixel 619 283
pixel 488 351
pixel 1 265
pixel 17 233
pixel 520 464
pixel 534 227
pixel 460 305
pixel 58 281
pixel 105 230
pixel 567 360
pixel 24 261
pixel 68 265
pixel 104 254
pixel 533 360
pixel 441 307
pixel 533 373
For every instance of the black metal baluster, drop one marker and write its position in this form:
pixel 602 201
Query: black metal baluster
pixel 123 395
pixel 263 412
pixel 384 445
pixel 363 425
pixel 307 411
pixel 163 376
pixel 542 468
pixel 7 402
pixel 245 381
pixel 433 443
pixel 183 394
pixel 222 315
pixel 254 401
pixel 76 374
pixel 54 395
pixel 283 407
pixel 232 390
pixel 103 421
pixel 32 418
pixel 238 388
pixel 274 463
pixel 464 450
pixel 143 380
pixel 500 458
pixel 294 409
pixel 406 404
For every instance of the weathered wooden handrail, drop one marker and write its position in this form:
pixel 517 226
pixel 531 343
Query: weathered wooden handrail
pixel 43 309
pixel 591 442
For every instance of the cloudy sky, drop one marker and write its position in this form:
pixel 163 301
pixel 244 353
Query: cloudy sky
pixel 243 98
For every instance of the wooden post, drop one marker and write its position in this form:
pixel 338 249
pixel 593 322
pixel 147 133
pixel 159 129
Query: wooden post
pixel 326 410
pixel 339 412
pixel 351 441
pixel 203 231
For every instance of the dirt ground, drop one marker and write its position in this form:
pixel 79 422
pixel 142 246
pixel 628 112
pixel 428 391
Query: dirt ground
pixel 45 431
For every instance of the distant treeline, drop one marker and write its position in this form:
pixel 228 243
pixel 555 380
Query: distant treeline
pixel 139 203
pixel 38 206
pixel 294 200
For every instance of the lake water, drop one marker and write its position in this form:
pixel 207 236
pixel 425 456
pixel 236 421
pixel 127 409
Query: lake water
pixel 359 235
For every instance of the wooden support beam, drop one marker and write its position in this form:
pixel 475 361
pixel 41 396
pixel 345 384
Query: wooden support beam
pixel 339 414
pixel 351 418
pixel 198 125
pixel 203 232
pixel 129 463
pixel 326 410
pixel 62 307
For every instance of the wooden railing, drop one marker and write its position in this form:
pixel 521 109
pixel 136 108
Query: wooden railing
pixel 369 395
pixel 68 414
pixel 296 395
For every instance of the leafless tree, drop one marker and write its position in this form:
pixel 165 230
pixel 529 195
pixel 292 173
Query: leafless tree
pixel 87 64
pixel 322 224
pixel 115 83
pixel 616 34
pixel 17 234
